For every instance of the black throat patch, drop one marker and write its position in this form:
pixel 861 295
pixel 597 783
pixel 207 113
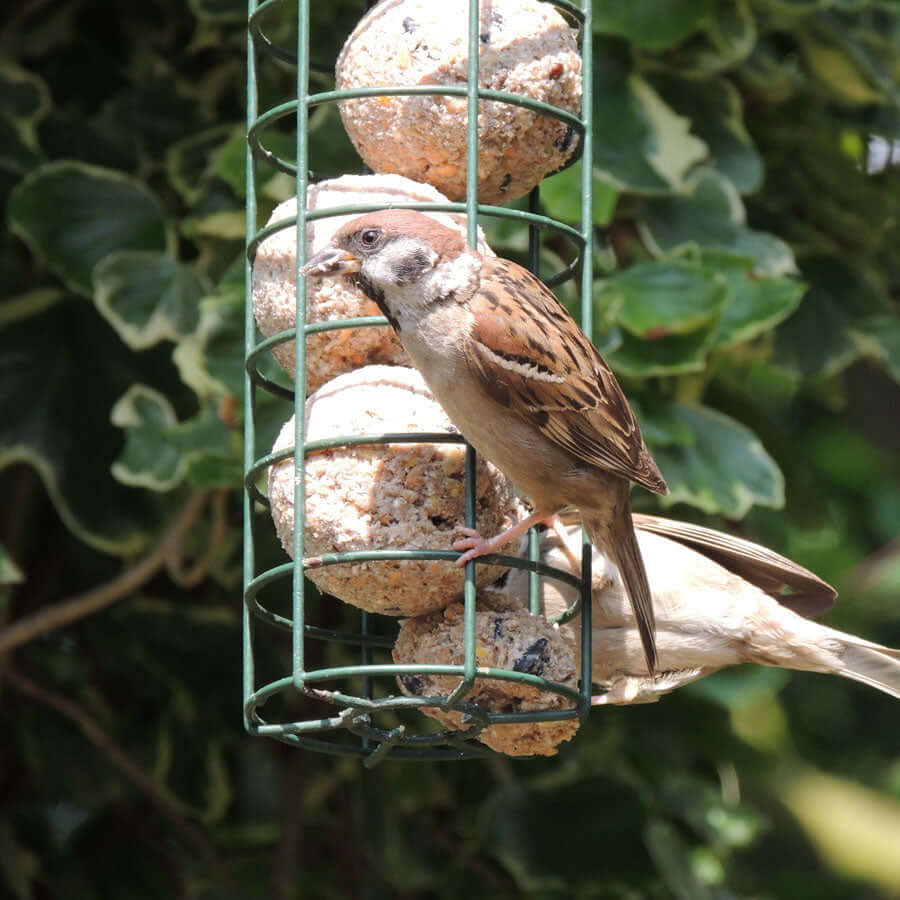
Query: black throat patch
pixel 376 296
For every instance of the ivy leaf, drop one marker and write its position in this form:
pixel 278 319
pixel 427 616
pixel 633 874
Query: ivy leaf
pixel 756 304
pixel 724 469
pixel 829 331
pixel 60 372
pixel 561 197
pixel 711 216
pixel 882 333
pixel 726 39
pixel 674 355
pixel 147 297
pixel 770 73
pixel 24 101
pixel 659 299
pixel 229 161
pixel 160 109
pixel 72 215
pixel 28 303
pixel 10 573
pixel 640 144
pixel 714 108
pixel 834 69
pixel 211 360
pixel 651 24
pixel 191 161
pixel 161 452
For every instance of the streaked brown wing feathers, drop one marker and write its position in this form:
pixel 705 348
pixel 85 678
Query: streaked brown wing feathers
pixel 563 386
pixel 810 596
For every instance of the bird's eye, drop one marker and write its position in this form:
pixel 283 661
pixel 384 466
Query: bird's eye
pixel 369 238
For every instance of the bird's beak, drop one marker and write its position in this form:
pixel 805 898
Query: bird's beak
pixel 332 261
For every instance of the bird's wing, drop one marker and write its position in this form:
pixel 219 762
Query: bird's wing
pixel 531 356
pixel 809 595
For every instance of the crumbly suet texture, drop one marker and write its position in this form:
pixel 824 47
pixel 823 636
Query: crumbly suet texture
pixel 526 48
pixel 512 639
pixel 331 353
pixel 386 497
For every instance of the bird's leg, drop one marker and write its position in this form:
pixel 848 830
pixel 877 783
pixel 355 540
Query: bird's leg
pixel 572 557
pixel 476 545
pixel 600 576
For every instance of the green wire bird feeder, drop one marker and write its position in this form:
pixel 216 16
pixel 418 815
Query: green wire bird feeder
pixel 357 709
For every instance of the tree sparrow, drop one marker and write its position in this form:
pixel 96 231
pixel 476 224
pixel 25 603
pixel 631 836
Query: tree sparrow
pixel 719 601
pixel 515 374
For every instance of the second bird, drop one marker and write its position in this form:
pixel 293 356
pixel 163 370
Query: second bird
pixel 516 375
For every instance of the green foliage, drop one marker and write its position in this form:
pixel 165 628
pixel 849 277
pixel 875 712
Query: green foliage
pixel 746 293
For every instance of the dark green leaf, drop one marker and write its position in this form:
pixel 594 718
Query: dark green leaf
pixel 561 197
pixel 24 100
pixel 211 361
pixel 659 299
pixel 24 96
pixel 28 304
pixel 837 71
pixel 72 215
pixel 882 334
pixel 653 24
pixel 640 145
pixel 147 297
pixel 727 38
pixel 711 216
pixel 673 355
pixel 756 304
pixel 10 573
pixel 828 332
pixel 725 469
pixel 714 108
pixel 61 372
pixel 160 451
pixel 191 161
pixel 159 110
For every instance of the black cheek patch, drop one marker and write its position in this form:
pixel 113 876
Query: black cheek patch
pixel 411 267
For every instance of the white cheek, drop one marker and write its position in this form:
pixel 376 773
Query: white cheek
pixel 455 277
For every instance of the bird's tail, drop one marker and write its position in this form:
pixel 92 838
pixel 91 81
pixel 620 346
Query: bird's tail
pixel 872 664
pixel 618 542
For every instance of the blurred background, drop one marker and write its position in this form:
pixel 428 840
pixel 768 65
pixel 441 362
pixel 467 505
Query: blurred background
pixel 745 157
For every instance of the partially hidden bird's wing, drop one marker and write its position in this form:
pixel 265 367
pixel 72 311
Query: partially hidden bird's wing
pixel 530 355
pixel 809 595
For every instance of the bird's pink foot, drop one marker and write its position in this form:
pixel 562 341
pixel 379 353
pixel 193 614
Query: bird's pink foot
pixel 474 545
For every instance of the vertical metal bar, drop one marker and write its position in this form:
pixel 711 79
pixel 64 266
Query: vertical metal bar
pixel 587 310
pixel 249 677
pixel 534 233
pixel 299 619
pixel 472 234
pixel 472 125
pixel 534 580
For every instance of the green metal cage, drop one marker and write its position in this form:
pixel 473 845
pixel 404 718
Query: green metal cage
pixel 356 708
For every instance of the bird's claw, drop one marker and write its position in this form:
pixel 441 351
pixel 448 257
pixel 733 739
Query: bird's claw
pixel 474 545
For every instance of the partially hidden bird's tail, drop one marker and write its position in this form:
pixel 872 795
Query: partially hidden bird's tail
pixel 618 542
pixel 872 664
